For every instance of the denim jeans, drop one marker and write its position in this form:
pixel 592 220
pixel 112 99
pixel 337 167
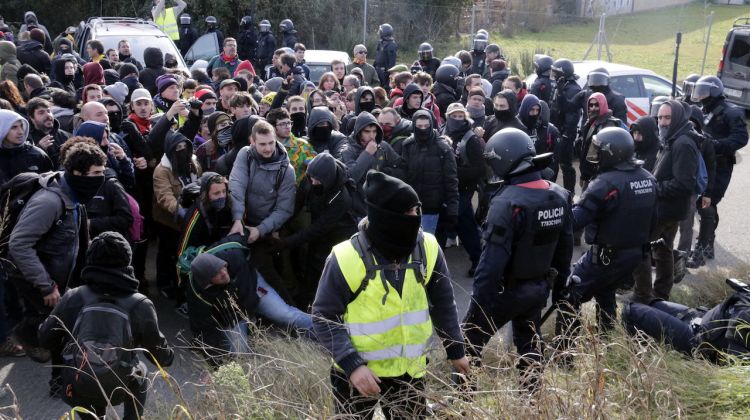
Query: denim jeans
pixel 272 307
pixel 430 222
pixel 236 338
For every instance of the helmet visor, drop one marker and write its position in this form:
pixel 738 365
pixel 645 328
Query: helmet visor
pixel 701 91
pixel 480 44
pixel 592 154
pixel 598 78
pixel 425 55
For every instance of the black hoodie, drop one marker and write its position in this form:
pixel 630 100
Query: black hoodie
pixel 646 149
pixel 492 125
pixel 335 143
pixel 32 53
pixel 154 60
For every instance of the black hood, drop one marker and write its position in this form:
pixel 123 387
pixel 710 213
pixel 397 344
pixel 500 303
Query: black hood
pixel 512 99
pixel 680 123
pixel 410 89
pixel 319 115
pixel 649 130
pixel 153 58
pixel 30 45
pixel 329 171
pixel 110 280
pixel 241 131
pixel 358 95
pixel 171 141
pixel 403 128
pixel 363 120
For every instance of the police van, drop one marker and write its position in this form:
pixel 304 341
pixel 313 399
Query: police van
pixel 734 66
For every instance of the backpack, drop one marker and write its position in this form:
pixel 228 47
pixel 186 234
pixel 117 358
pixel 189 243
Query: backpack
pixel 701 176
pixel 100 358
pixel 14 195
pixel 189 254
pixel 137 227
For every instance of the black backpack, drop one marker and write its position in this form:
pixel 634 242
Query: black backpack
pixel 99 358
pixel 14 194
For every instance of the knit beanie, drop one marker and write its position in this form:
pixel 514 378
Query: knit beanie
pixel 204 267
pixel 164 81
pixel 389 193
pixel 109 249
pixel 126 69
pixel 204 94
pixel 244 65
pixel 118 91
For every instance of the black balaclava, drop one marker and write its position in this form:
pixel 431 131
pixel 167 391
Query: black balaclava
pixel 391 232
pixel 299 121
pixel 422 134
pixel 84 187
pixel 320 134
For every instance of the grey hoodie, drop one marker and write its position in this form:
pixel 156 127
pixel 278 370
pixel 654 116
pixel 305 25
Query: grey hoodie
pixel 7 119
pixel 263 192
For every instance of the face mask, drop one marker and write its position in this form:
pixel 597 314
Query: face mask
pixel 532 120
pixel 219 203
pixel 422 134
pixel 456 126
pixel 115 121
pixel 387 131
pixel 503 115
pixel 298 122
pixel 84 187
pixel 477 112
pixel 366 106
pixel 393 234
pixel 224 137
pixel 209 111
pixel 321 133
pixel 317 189
pixel 663 132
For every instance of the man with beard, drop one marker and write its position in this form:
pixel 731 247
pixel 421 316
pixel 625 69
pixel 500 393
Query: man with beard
pixel 598 117
pixel 322 135
pixel 48 245
pixel 45 130
pixel 598 81
pixel 504 115
pixel 388 270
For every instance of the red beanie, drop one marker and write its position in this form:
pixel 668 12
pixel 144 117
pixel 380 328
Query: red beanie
pixel 244 65
pixel 204 94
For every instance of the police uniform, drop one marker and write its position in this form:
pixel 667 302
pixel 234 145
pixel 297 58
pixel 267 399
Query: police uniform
pixel 564 114
pixel 616 210
pixel 542 88
pixel 528 230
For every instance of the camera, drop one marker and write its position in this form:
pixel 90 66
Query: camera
pixel 195 104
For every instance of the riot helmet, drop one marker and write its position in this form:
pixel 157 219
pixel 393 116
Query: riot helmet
pixel 543 64
pixel 563 68
pixel 656 103
pixel 185 19
pixel 453 61
pixel 447 74
pixel 494 48
pixel 598 78
pixel 425 51
pixel 484 32
pixel 211 22
pixel 385 31
pixel 287 26
pixel 246 22
pixel 688 85
pixel 707 87
pixel 611 147
pixel 264 25
pixel 509 151
pixel 480 42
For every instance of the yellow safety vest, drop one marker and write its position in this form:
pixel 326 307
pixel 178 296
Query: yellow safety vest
pixel 390 332
pixel 167 23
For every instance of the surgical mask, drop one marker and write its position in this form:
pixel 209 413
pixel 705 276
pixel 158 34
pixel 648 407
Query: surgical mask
pixel 224 137
pixel 219 203
pixel 84 187
pixel 366 106
pixel 503 115
pixel 209 111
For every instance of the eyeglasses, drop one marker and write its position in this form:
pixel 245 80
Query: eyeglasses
pixel 361 52
pixel 284 124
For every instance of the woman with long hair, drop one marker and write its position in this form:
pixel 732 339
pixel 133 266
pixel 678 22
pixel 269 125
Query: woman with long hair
pixel 328 81
pixel 9 91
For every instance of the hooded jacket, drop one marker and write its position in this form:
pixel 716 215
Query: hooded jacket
pixel 241 131
pixel 154 60
pixel 358 161
pixel 68 83
pixel 122 168
pixel 492 125
pixel 93 74
pixel 676 168
pixel 593 125
pixel 263 191
pixel 403 110
pixel 167 186
pixel 59 137
pixel 431 170
pixel 646 149
pixel 400 132
pixel 23 158
pixel 109 210
pixel 9 62
pixel 336 141
pixel 47 243
pixel 30 19
pixel 32 53
pixel 347 121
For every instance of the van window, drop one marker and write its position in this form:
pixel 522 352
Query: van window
pixel 204 48
pixel 138 45
pixel 628 86
pixel 739 52
pixel 656 87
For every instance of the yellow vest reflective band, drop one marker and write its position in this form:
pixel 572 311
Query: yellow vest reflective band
pixel 389 331
pixel 167 23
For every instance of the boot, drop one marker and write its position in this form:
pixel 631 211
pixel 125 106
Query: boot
pixel 697 256
pixel 709 250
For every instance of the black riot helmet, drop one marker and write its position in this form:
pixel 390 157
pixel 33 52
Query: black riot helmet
pixel 563 68
pixel 185 19
pixel 425 51
pixel 707 87
pixel 264 25
pixel 611 147
pixel 447 74
pixel 287 26
pixel 598 77
pixel 543 64
pixel 385 31
pixel 509 151
pixel 480 42
pixel 688 85
pixel 656 103
pixel 211 22
pixel 246 22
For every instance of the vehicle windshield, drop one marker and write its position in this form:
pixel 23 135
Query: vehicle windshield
pixel 317 70
pixel 139 43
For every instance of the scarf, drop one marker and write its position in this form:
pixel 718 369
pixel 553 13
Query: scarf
pixel 143 124
pixel 227 59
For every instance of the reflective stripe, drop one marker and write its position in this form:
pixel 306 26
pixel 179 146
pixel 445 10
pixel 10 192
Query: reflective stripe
pixel 380 327
pixel 410 351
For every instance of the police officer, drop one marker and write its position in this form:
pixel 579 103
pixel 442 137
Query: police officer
pixel 389 270
pixel 542 86
pixel 247 39
pixel 528 232
pixel 429 63
pixel 266 47
pixel 385 57
pixel 598 81
pixel 688 85
pixel 564 114
pixel 478 56
pixel 616 211
pixel 188 34
pixel 288 32
pixel 725 123
pixel 212 25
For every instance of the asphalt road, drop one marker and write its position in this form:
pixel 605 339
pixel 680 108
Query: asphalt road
pixel 29 379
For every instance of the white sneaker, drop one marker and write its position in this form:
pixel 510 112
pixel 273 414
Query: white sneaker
pixel 451 242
